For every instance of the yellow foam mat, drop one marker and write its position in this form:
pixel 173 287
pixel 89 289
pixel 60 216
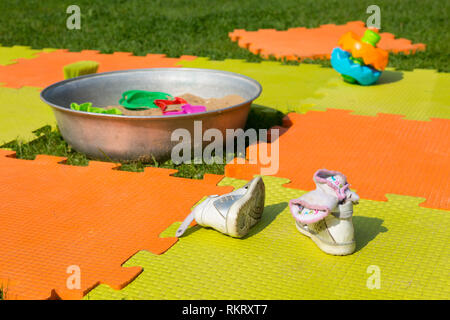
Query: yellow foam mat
pixel 284 86
pixel 8 55
pixel 418 95
pixel 407 244
pixel 21 112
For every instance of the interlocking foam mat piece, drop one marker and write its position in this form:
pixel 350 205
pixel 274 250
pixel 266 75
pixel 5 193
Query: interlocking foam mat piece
pixel 275 261
pixel 8 55
pixel 284 86
pixel 380 155
pixel 47 68
pixel 418 95
pixel 301 43
pixel 54 216
pixel 21 112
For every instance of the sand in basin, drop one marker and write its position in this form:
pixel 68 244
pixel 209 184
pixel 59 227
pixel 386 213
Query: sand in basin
pixel 146 112
pixel 210 104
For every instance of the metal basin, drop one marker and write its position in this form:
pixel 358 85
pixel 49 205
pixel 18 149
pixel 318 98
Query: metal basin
pixel 125 138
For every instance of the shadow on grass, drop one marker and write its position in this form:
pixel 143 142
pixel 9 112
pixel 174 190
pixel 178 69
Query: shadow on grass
pixel 366 229
pixel 262 117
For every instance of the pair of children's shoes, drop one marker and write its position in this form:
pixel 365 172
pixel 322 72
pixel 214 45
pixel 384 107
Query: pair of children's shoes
pixel 324 214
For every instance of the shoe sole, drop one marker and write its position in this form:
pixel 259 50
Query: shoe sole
pixel 248 210
pixel 333 249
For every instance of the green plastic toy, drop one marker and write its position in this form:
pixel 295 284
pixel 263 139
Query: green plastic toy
pixel 141 99
pixel 87 107
pixel 371 37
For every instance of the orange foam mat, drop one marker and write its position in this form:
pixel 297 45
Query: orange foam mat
pixel 316 43
pixel 47 68
pixel 59 222
pixel 380 155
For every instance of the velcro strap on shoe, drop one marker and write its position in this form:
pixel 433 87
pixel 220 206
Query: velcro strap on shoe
pixel 185 224
pixel 189 219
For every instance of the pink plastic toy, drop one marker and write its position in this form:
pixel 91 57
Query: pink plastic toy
pixel 187 108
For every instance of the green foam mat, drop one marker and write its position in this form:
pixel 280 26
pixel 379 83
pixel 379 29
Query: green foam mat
pixel 21 112
pixel 406 243
pixel 284 86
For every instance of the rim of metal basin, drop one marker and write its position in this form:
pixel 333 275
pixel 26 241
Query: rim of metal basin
pixel 162 117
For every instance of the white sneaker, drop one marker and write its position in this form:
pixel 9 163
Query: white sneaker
pixel 325 214
pixel 332 235
pixel 233 213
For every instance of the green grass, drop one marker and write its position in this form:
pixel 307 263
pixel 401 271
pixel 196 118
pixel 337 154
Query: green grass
pixel 50 142
pixel 187 27
pixel 3 293
pixel 200 27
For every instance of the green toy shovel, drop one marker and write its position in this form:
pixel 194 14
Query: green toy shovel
pixel 141 99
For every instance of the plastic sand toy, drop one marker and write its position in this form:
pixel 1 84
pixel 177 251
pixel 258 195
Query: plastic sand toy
pixel 187 108
pixel 141 99
pixel 181 106
pixel 87 107
pixel 359 60
pixel 164 103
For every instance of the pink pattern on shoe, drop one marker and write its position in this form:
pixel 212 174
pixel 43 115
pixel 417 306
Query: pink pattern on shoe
pixel 305 212
pixel 338 185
